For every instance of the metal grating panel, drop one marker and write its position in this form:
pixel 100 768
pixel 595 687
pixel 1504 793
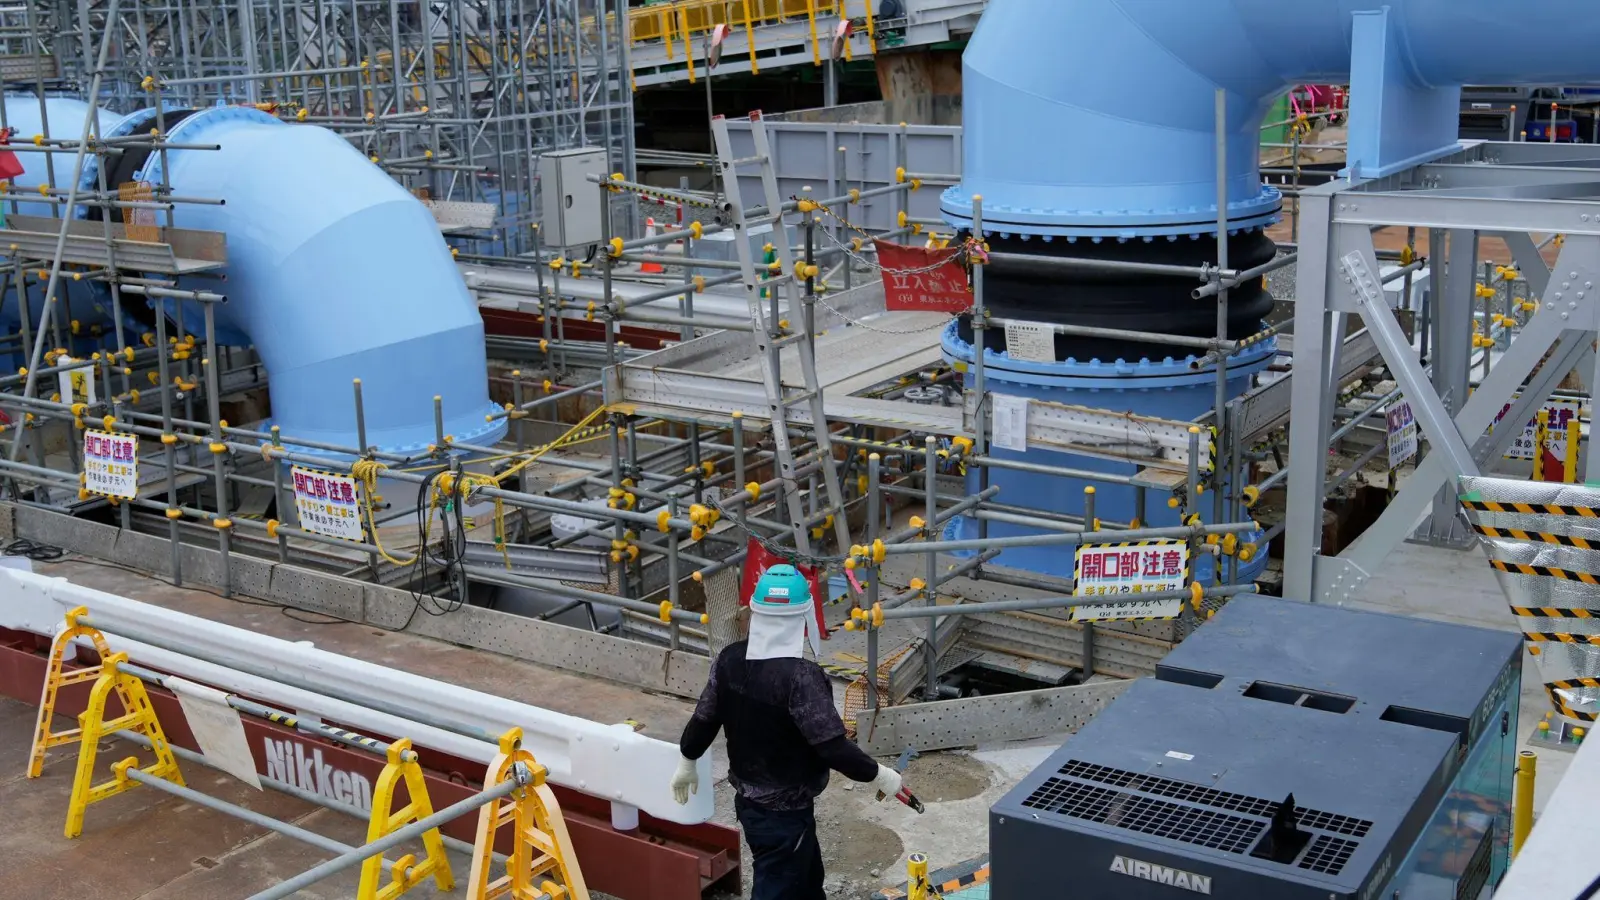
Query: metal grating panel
pixel 1476 876
pixel 1194 793
pixel 1188 824
pixel 1328 854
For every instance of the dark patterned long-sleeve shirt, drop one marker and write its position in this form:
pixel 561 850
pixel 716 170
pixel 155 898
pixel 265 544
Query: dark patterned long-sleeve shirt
pixel 783 731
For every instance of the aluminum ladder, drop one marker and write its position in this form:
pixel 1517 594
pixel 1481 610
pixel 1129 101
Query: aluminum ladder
pixel 783 289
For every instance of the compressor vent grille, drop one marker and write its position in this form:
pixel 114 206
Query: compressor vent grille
pixel 1328 854
pixel 1118 809
pixel 1204 796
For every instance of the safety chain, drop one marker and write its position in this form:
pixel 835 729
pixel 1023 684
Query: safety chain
pixel 787 554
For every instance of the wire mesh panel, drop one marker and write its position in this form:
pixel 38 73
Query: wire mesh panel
pixel 139 222
pixel 857 692
pixel 722 608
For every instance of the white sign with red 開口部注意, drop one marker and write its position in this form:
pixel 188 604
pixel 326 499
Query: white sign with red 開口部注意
pixel 1127 570
pixel 111 464
pixel 328 504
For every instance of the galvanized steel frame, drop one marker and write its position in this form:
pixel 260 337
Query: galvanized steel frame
pixel 1510 190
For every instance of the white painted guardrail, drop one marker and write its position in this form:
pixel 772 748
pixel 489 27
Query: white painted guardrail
pixel 608 761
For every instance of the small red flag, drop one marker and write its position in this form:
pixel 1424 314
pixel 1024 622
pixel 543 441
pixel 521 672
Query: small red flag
pixel 917 279
pixel 10 166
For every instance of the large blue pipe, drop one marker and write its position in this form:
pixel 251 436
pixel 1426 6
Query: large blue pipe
pixel 334 273
pixel 1096 116
pixel 1096 119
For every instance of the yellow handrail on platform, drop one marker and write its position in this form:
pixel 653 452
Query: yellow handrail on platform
pixel 687 18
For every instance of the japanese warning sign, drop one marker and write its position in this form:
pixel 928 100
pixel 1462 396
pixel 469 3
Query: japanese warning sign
pixel 1105 570
pixel 1122 612
pixel 916 279
pixel 1402 432
pixel 328 504
pixel 111 464
pixel 1561 412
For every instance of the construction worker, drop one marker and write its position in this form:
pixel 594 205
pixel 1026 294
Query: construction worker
pixel 784 734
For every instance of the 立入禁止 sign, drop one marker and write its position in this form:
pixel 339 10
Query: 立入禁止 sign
pixel 916 279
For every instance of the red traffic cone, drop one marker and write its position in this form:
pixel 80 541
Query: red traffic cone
pixel 650 230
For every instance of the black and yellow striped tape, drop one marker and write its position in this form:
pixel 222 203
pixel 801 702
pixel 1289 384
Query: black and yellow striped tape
pixel 979 876
pixel 1159 542
pixel 1539 536
pixel 1588 512
pixel 349 737
pixel 362 740
pixel 1561 706
pixel 1555 612
pixel 1547 571
pixel 1554 637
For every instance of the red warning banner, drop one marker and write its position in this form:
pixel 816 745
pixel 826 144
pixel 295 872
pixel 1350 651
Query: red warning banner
pixel 917 279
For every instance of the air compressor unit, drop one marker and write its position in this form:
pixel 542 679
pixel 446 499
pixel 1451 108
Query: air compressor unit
pixel 1285 751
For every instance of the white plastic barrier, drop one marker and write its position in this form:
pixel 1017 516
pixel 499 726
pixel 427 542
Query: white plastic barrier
pixel 608 761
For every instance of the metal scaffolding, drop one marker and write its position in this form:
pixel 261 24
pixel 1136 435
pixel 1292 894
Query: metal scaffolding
pixel 455 100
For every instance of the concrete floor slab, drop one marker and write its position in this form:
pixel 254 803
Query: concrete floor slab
pixel 865 843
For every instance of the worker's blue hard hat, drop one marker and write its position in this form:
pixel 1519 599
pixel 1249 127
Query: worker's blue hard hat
pixel 781 585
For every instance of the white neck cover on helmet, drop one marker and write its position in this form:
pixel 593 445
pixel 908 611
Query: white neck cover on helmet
pixel 782 630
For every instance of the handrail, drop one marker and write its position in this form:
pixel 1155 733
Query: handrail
pixel 633 769
pixel 682 20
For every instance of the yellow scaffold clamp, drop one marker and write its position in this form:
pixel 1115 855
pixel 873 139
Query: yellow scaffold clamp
pixel 861 619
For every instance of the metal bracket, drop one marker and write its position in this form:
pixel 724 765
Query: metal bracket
pixel 1337 579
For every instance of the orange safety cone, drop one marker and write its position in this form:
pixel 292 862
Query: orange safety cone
pixel 650 230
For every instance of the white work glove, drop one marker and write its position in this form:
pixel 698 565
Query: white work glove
pixel 888 781
pixel 686 780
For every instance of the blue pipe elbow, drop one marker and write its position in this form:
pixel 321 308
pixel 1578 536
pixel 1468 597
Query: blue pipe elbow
pixel 335 273
pixel 1097 117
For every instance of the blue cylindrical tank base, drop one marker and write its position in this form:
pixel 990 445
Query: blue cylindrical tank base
pixel 1167 389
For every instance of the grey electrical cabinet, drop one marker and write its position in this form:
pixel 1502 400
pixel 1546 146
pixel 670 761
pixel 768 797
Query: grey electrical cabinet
pixel 570 209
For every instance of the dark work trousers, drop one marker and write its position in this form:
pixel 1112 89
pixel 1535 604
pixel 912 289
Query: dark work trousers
pixel 783 844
